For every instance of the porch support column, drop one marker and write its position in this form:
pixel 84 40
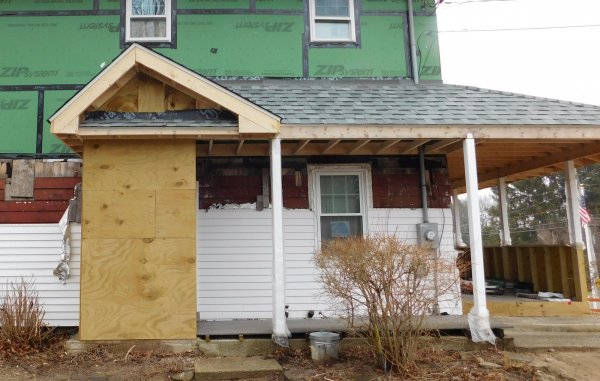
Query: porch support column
pixel 572 193
pixel 506 240
pixel 479 316
pixel 458 239
pixel 575 235
pixel 280 331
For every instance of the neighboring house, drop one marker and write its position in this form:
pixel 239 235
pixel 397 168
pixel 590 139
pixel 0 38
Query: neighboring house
pixel 221 141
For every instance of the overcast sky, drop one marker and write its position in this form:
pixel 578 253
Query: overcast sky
pixel 554 51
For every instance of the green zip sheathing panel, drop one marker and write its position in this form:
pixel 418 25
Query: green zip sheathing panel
pixel 53 100
pixel 18 120
pixel 426 37
pixel 110 4
pixel 213 4
pixel 56 49
pixel 240 45
pixel 46 5
pixel 297 5
pixel 385 5
pixel 382 52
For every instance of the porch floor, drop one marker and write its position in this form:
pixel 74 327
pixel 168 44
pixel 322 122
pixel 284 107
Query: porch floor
pixel 302 326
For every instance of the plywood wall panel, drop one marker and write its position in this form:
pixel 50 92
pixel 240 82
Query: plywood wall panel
pixel 173 216
pixel 127 279
pixel 142 164
pixel 138 271
pixel 118 214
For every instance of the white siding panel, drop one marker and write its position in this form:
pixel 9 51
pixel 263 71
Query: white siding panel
pixel 32 251
pixel 235 259
pixel 234 264
pixel 402 224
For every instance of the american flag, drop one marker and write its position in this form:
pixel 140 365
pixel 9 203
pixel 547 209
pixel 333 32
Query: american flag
pixel 586 218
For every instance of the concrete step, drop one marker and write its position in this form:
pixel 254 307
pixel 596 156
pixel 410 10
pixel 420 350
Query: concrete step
pixel 233 368
pixel 556 327
pixel 525 341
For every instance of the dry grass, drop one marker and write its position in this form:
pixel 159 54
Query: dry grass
pixel 22 320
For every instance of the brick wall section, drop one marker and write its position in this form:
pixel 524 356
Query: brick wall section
pixel 400 188
pixel 295 196
pixel 395 182
pixel 51 199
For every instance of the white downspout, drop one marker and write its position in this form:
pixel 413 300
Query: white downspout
pixel 479 316
pixel 280 330
pixel 413 43
pixel 458 239
pixel 506 239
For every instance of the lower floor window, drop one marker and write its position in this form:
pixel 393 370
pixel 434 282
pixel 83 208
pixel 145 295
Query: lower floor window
pixel 340 201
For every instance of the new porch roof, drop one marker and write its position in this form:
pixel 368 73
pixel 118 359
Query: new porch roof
pixel 397 102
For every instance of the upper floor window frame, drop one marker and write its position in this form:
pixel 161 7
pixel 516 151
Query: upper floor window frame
pixel 167 16
pixel 350 20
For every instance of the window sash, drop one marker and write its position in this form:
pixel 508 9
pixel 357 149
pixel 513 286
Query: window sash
pixel 348 20
pixel 130 18
pixel 356 220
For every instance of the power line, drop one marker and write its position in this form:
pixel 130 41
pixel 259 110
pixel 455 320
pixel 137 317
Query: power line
pixel 524 28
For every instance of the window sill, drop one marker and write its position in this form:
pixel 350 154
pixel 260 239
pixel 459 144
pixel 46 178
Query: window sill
pixel 333 44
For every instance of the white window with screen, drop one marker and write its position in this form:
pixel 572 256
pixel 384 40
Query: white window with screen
pixel 332 21
pixel 148 20
pixel 340 201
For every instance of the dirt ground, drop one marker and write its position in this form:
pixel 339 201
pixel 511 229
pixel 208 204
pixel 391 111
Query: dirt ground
pixel 101 364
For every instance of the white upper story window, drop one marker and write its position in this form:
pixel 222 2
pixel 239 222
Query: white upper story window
pixel 332 21
pixel 148 21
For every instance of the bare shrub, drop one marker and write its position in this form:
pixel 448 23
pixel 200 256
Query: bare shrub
pixel 391 284
pixel 21 318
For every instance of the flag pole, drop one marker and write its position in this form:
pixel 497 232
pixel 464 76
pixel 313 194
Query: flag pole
pixel 589 244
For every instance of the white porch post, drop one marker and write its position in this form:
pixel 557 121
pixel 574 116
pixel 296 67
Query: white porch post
pixel 458 239
pixel 572 193
pixel 506 240
pixel 280 331
pixel 479 316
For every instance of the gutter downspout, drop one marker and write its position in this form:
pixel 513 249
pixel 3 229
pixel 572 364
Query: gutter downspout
pixel 436 305
pixel 423 184
pixel 413 43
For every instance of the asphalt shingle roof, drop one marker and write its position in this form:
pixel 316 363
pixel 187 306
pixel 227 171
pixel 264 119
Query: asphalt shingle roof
pixel 402 102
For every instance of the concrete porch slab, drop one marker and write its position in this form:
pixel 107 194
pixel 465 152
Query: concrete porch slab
pixel 302 326
pixel 232 368
pixel 74 345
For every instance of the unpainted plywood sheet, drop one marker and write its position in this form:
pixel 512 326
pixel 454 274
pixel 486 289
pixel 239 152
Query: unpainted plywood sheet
pixel 138 289
pixel 174 217
pixel 118 214
pixel 139 164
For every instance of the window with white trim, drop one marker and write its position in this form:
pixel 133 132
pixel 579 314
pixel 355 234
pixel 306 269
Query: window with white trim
pixel 148 21
pixel 332 21
pixel 340 201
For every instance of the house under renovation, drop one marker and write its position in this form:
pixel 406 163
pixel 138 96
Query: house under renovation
pixel 204 195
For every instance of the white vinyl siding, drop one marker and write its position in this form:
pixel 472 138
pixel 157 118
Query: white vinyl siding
pixel 235 259
pixel 32 251
pixel 234 264
pixel 402 224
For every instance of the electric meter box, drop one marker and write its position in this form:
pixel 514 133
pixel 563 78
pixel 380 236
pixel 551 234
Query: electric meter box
pixel 428 233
